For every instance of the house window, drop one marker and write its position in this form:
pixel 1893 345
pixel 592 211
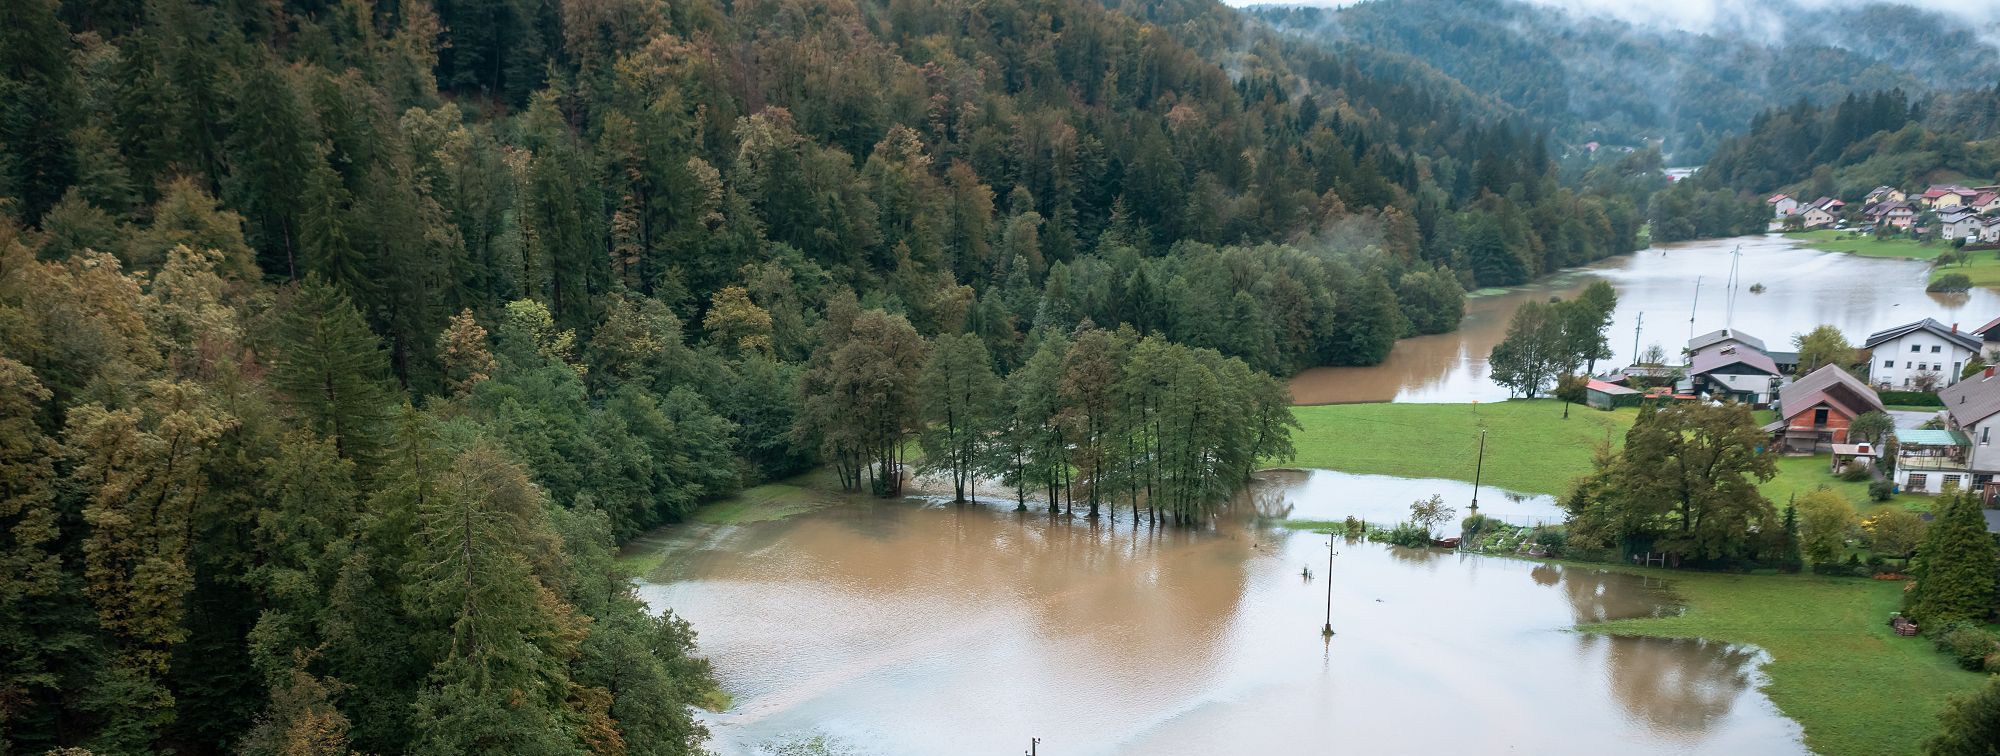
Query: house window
pixel 1819 416
pixel 1983 434
pixel 1935 348
pixel 1956 368
pixel 1907 365
pixel 1951 482
pixel 1888 363
pixel 1916 347
pixel 1980 481
pixel 1919 481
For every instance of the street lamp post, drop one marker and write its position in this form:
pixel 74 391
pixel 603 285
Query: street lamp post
pixel 1327 630
pixel 1477 468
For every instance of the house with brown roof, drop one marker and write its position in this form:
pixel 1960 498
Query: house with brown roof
pixel 1897 214
pixel 1815 411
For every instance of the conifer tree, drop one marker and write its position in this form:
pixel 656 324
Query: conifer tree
pixel 1955 565
pixel 330 370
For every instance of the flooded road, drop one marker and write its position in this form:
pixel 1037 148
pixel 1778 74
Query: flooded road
pixel 906 628
pixel 1804 288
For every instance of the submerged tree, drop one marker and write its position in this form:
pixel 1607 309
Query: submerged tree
pixel 960 397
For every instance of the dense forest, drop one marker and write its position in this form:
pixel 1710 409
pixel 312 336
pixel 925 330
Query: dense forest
pixel 342 342
pixel 1865 140
pixel 1600 79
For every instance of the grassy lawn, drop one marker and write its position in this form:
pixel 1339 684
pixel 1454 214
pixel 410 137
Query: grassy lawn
pixel 1530 448
pixel 1866 245
pixel 1835 667
pixel 1983 269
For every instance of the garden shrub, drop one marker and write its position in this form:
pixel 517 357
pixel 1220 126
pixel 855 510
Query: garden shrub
pixel 1881 490
pixel 1407 534
pixel 1966 643
pixel 1855 473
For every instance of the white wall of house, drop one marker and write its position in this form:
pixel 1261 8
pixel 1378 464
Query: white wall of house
pixel 1760 385
pixel 1899 361
pixel 1984 454
pixel 1784 207
pixel 1931 481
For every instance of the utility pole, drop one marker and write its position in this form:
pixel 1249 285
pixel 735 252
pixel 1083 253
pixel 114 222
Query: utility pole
pixel 1694 307
pixel 1635 337
pixel 1032 742
pixel 1327 631
pixel 1477 468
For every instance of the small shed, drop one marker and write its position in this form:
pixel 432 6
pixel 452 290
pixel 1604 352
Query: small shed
pixel 1604 395
pixel 1862 454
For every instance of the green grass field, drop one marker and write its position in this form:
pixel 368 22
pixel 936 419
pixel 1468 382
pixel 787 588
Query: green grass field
pixel 1983 269
pixel 1835 666
pixel 1530 448
pixel 1866 245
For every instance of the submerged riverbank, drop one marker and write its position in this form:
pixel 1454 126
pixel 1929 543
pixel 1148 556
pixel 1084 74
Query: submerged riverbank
pixel 1833 665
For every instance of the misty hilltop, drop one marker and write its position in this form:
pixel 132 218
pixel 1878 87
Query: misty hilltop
pixel 1594 77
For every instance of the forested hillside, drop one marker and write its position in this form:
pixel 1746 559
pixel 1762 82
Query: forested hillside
pixel 341 342
pixel 1600 79
pixel 1865 140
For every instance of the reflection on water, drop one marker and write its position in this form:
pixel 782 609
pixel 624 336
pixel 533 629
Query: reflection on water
pixel 902 628
pixel 1385 499
pixel 1803 288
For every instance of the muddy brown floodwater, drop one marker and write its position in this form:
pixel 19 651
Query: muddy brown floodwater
pixel 1804 288
pixel 924 628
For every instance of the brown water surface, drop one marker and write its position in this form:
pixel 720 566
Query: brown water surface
pixel 924 628
pixel 1804 288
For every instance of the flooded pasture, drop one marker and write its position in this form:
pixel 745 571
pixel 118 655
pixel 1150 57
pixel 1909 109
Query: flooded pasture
pixel 918 627
pixel 1804 288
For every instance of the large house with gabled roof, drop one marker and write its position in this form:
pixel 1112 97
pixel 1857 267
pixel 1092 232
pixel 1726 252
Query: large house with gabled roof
pixel 1815 412
pixel 1914 354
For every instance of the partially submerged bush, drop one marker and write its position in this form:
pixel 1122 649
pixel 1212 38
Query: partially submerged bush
pixel 1951 283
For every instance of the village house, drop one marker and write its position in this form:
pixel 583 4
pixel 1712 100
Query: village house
pixel 1881 194
pixel 1932 461
pixel 1897 214
pixel 1914 354
pixel 1985 201
pixel 1815 411
pixel 1944 196
pixel 1989 229
pixel 1972 408
pixel 1959 224
pixel 1989 336
pixel 1723 337
pixel 1734 372
pixel 1782 205
pixel 1822 212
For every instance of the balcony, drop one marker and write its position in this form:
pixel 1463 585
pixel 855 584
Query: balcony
pixel 1941 464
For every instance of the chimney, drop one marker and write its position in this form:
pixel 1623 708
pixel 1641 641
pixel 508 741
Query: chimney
pixel 1954 328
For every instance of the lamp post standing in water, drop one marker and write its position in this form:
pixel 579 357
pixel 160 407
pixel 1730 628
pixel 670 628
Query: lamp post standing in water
pixel 1032 742
pixel 1477 468
pixel 1327 631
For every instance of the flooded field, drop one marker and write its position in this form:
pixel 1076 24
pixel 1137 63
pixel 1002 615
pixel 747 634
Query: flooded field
pixel 1804 288
pixel 923 628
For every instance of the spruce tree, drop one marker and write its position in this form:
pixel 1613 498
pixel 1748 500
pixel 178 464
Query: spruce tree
pixel 1954 566
pixel 329 369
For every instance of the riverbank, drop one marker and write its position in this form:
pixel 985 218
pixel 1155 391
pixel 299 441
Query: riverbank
pixel 1866 245
pixel 1852 684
